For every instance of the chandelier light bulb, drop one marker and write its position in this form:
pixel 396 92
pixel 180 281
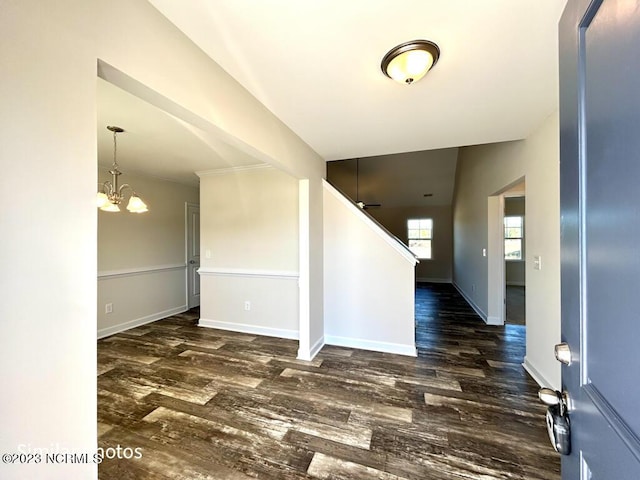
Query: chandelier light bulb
pixel 102 199
pixel 110 207
pixel 136 205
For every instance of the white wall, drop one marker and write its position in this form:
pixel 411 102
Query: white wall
pixel 49 53
pixel 369 282
pixel 487 170
pixel 250 253
pixel 315 251
pixel 543 239
pixel 141 257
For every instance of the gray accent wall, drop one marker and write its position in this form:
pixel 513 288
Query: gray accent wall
pixel 406 185
pixel 483 171
pixel 438 268
pixel 514 206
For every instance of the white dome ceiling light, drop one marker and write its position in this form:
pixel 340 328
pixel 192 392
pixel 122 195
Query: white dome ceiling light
pixel 410 61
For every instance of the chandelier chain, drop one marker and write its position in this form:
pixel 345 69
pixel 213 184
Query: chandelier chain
pixel 115 149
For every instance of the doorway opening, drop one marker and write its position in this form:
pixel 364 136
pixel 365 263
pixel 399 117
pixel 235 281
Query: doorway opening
pixel 514 257
pixel 499 247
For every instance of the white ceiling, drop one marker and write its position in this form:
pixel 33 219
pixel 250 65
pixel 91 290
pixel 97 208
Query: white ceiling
pixel 155 142
pixel 316 65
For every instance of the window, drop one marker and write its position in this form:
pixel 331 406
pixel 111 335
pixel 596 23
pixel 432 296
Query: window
pixel 513 235
pixel 420 234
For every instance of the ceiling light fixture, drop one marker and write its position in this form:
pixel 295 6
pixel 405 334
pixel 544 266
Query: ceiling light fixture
pixel 110 196
pixel 410 61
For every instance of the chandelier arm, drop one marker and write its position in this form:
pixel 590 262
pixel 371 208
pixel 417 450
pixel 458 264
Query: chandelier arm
pixel 123 187
pixel 107 187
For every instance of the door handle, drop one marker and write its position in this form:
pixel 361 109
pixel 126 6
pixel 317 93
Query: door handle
pixel 192 262
pixel 554 397
pixel 563 353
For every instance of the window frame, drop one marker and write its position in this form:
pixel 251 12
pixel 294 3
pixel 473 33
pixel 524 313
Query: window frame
pixel 428 238
pixel 505 238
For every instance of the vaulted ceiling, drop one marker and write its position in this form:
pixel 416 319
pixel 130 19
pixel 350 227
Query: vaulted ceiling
pixel 155 142
pixel 316 65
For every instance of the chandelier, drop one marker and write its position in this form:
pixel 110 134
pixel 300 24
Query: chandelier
pixel 110 196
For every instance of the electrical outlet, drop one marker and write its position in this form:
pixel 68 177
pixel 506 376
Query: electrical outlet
pixel 108 308
pixel 247 305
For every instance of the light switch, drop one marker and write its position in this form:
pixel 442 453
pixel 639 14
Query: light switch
pixel 484 252
pixel 537 262
pixel 207 253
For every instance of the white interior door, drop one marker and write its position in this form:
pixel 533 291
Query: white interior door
pixel 193 255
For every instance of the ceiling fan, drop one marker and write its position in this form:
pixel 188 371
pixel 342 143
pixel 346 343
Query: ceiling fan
pixel 360 203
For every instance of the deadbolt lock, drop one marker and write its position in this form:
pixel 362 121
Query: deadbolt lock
pixel 557 418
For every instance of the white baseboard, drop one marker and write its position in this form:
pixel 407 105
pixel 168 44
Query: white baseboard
pixel 493 320
pixel 313 351
pixel 386 347
pixel 472 304
pixel 535 374
pixel 247 328
pixel 433 280
pixel 121 327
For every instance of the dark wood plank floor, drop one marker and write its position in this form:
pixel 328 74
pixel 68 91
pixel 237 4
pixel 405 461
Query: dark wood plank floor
pixel 208 404
pixel 515 302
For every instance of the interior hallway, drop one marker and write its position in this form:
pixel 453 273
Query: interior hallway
pixel 204 403
pixel 515 301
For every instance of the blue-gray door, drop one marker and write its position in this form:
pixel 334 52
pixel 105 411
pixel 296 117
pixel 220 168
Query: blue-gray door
pixel 600 209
